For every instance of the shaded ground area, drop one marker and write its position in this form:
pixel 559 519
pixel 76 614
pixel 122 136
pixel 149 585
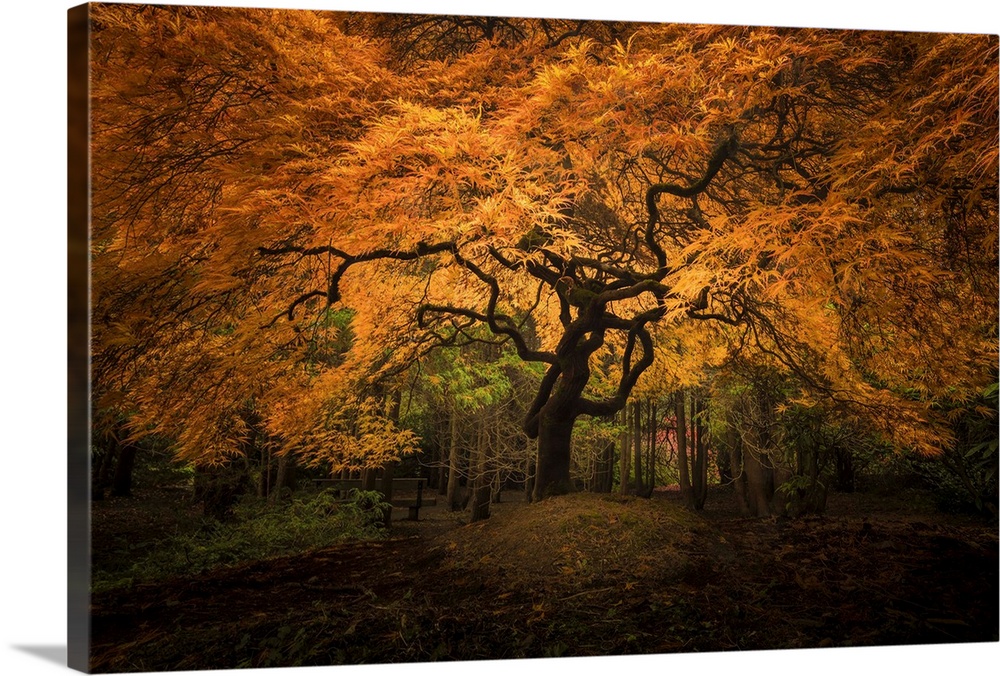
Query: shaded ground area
pixel 578 575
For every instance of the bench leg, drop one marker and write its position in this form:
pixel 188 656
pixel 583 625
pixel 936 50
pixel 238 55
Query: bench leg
pixel 414 514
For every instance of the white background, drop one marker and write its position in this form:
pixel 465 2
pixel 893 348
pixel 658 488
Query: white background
pixel 33 326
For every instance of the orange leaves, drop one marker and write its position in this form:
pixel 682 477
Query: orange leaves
pixel 366 439
pixel 423 172
pixel 854 212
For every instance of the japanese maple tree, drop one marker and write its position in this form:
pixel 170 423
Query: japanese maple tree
pixel 824 199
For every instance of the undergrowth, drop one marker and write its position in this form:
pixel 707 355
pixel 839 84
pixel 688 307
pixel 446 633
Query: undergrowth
pixel 255 532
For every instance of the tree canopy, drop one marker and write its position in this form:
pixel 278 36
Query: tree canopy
pixel 294 208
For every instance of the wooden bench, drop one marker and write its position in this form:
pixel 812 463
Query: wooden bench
pixel 400 484
pixel 414 505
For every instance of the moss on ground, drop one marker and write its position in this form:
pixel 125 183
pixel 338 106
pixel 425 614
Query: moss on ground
pixel 581 538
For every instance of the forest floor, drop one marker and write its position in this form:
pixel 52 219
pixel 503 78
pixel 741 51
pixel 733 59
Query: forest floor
pixel 577 575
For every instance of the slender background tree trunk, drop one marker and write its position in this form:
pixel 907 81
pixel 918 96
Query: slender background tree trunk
pixel 682 451
pixel 637 444
pixel 480 483
pixel 625 455
pixel 453 463
pixel 121 485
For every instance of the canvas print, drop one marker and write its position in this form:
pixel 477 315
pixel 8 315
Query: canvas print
pixel 405 337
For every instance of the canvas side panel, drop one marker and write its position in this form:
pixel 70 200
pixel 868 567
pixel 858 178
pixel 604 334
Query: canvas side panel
pixel 78 610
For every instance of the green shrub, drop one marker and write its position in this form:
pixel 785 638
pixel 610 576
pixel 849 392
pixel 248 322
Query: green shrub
pixel 965 475
pixel 258 531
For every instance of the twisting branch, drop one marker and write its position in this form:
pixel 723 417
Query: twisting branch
pixel 332 292
pixel 630 374
pixel 732 321
pixel 722 151
pixel 541 398
pixel 290 312
pixel 500 324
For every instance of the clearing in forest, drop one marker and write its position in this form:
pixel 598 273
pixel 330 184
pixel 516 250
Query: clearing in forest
pixel 575 575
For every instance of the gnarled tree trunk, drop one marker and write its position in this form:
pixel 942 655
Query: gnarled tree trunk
pixel 554 445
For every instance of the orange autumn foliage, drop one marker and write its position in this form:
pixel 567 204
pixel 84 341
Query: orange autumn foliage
pixel 647 198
